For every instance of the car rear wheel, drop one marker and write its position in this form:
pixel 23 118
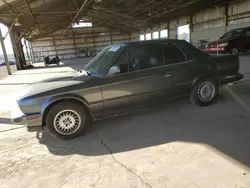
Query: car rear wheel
pixel 205 92
pixel 235 51
pixel 67 120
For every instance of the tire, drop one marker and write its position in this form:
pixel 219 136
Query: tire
pixel 199 95
pixel 46 64
pixel 235 51
pixel 67 120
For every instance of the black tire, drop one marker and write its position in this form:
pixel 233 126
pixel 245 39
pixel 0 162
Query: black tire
pixel 235 51
pixel 195 97
pixel 57 111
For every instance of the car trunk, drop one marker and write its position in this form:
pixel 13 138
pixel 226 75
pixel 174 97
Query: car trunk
pixel 227 64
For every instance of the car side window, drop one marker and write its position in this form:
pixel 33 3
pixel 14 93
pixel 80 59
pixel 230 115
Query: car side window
pixel 248 32
pixel 122 62
pixel 172 54
pixel 145 56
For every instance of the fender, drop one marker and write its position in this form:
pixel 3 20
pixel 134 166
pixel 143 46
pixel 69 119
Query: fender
pixel 66 96
pixel 209 73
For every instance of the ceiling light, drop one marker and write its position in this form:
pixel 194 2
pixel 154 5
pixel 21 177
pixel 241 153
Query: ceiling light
pixel 17 23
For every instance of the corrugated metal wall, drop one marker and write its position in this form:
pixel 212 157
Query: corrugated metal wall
pixel 94 39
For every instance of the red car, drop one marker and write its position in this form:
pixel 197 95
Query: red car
pixel 233 42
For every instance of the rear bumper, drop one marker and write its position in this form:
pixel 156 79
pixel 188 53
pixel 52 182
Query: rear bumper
pixel 215 50
pixel 231 78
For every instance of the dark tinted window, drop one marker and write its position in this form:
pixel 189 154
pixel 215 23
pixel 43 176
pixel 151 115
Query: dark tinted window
pixel 145 56
pixel 122 62
pixel 190 51
pixel 172 54
pixel 248 32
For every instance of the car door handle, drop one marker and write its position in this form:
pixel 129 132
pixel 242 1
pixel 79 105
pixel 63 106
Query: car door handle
pixel 167 75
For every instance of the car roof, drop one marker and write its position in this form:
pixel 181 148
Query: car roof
pixel 241 28
pixel 154 41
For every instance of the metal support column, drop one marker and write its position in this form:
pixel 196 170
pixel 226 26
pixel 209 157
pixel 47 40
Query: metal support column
pixel 27 52
pixel 226 18
pixel 31 54
pixel 94 45
pixel 15 51
pixel 168 26
pixel 224 11
pixel 32 51
pixel 54 42
pixel 74 40
pixel 5 53
pixel 191 28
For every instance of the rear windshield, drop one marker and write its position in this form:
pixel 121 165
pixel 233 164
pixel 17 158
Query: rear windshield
pixel 190 51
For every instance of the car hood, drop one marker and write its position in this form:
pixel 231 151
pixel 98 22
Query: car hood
pixel 52 84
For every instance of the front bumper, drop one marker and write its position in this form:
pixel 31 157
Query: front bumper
pixel 32 122
pixel 231 78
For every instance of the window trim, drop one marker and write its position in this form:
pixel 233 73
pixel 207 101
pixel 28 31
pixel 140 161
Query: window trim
pixel 164 65
pixel 178 49
pixel 162 54
pixel 109 65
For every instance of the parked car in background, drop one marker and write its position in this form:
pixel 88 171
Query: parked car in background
pixel 48 61
pixel 120 79
pixel 10 62
pixel 233 42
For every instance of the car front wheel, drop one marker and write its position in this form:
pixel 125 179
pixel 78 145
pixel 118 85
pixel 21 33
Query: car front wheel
pixel 67 120
pixel 205 92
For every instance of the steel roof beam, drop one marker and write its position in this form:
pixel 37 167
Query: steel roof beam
pixel 76 16
pixel 30 11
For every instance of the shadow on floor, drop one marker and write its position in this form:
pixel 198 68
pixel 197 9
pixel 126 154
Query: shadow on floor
pixel 219 126
pixel 5 120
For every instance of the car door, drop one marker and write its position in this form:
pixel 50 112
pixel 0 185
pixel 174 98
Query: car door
pixel 141 81
pixel 178 70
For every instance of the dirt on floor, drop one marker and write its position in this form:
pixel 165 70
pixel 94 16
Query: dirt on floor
pixel 4 72
pixel 175 145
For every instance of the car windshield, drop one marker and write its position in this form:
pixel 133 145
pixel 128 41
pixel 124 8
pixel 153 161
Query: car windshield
pixel 99 63
pixel 231 34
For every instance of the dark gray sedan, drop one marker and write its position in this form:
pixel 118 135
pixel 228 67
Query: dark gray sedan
pixel 122 78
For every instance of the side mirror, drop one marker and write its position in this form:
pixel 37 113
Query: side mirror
pixel 114 70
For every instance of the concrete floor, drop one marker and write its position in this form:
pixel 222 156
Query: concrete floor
pixel 176 145
pixel 4 72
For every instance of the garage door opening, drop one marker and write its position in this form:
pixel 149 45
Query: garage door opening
pixel 9 51
pixel 183 33
pixel 7 43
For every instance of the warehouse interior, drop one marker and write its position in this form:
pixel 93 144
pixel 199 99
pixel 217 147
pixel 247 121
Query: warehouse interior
pixel 75 28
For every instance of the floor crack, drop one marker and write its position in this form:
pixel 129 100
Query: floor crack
pixel 121 164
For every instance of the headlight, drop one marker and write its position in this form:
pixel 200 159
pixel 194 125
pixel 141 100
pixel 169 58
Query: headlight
pixel 223 44
pixel 206 45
